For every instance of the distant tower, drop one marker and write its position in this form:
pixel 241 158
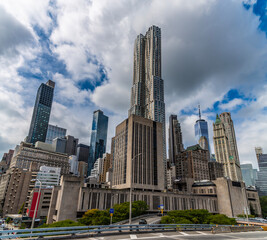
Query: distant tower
pixel 41 112
pixel 225 146
pixel 259 152
pixel 98 138
pixel 54 132
pixel 201 129
pixel 147 96
pixel 175 138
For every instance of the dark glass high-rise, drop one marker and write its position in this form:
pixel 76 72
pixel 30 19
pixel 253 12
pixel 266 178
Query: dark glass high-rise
pixel 41 112
pixel 201 130
pixel 98 138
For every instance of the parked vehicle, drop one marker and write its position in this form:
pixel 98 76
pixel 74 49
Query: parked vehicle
pixel 142 221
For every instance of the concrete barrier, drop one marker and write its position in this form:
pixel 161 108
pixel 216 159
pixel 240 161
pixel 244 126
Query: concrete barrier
pixel 228 229
pixel 221 229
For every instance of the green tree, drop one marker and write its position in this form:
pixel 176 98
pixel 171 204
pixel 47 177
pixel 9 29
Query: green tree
pixel 200 216
pixel 8 220
pixel 65 223
pixel 221 219
pixel 21 208
pixel 263 202
pixel 95 217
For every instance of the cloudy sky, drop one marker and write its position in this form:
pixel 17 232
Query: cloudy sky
pixel 214 53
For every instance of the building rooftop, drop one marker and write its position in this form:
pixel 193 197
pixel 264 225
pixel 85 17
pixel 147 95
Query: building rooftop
pixel 218 120
pixel 194 148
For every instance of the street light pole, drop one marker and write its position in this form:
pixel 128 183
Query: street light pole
pixel 37 203
pixel 130 199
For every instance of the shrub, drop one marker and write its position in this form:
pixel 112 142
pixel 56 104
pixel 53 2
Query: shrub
pixel 200 216
pixel 64 223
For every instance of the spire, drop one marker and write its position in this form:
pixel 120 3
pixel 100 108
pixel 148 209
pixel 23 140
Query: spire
pixel 218 120
pixel 199 113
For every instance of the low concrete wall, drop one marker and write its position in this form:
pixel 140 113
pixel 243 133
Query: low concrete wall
pixel 228 229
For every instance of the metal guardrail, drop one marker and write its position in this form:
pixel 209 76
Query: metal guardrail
pixel 41 232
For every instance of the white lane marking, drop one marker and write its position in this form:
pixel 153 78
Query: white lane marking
pixel 133 236
pixel 184 233
pixel 202 233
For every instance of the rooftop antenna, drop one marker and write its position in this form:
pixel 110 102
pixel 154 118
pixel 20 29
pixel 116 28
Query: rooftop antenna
pixel 199 113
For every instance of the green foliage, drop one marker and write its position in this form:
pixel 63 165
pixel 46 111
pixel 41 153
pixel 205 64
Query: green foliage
pixel 199 216
pixel 221 219
pixel 21 208
pixel 8 220
pixel 95 217
pixel 65 223
pixel 263 202
pixel 22 226
pixel 121 212
pixel 244 216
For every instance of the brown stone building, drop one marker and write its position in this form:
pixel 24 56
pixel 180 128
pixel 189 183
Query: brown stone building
pixel 73 198
pixel 26 154
pixel 14 189
pixel 138 155
pixel 215 170
pixel 106 167
pixel 191 165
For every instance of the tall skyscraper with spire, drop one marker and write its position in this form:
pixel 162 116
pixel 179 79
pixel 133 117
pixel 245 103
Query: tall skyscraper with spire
pixel 202 132
pixel 175 138
pixel 147 95
pixel 41 113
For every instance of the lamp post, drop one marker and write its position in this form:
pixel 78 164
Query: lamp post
pixel 245 201
pixel 37 202
pixel 112 197
pixel 130 200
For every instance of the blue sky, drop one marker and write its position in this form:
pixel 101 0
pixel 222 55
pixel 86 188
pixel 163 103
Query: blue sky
pixel 213 54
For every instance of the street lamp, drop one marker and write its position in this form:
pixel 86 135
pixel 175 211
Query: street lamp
pixel 112 197
pixel 245 201
pixel 37 202
pixel 130 210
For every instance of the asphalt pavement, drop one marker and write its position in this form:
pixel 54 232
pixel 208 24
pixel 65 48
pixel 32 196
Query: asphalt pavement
pixel 199 235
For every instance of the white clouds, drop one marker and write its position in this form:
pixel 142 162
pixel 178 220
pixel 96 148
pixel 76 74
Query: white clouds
pixel 208 47
pixel 232 104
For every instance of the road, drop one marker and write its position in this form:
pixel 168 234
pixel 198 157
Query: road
pixel 195 235
pixel 150 220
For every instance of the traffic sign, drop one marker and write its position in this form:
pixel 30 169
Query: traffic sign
pixel 111 210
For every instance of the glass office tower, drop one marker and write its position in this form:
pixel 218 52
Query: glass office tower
pixel 201 130
pixel 261 182
pixel 54 132
pixel 98 138
pixel 41 112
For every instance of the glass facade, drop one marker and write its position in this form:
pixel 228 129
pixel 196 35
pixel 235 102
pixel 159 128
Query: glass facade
pixel 261 183
pixel 98 138
pixel 54 132
pixel 201 130
pixel 41 113
pixel 249 174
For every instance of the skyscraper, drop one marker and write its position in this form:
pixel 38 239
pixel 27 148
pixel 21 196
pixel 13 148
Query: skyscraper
pixel 201 130
pixel 261 182
pixel 249 174
pixel 138 155
pixel 258 151
pixel 54 132
pixel 147 95
pixel 225 146
pixel 41 112
pixel 98 138
pixel 175 138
